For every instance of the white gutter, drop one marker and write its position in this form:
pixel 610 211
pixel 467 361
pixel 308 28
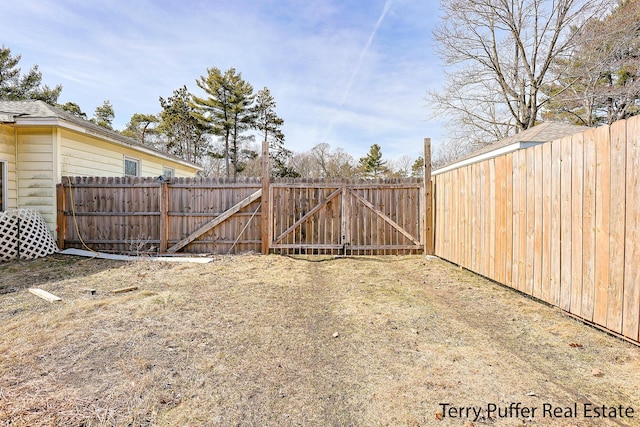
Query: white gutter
pixel 485 156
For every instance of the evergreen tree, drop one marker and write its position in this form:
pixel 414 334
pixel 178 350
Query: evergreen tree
pixel 372 164
pixel 73 108
pixel 226 110
pixel 269 125
pixel 104 115
pixel 140 126
pixel 182 131
pixel 417 170
pixel 15 87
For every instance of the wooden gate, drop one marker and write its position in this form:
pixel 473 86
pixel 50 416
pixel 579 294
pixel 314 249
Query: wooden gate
pixel 363 217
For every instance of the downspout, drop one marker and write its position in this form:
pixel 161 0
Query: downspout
pixel 15 140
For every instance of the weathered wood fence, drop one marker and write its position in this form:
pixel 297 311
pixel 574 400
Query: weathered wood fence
pixel 559 221
pixel 219 216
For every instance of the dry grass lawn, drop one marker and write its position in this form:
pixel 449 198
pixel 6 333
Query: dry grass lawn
pixel 280 341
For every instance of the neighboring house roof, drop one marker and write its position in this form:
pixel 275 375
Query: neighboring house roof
pixel 544 132
pixel 34 112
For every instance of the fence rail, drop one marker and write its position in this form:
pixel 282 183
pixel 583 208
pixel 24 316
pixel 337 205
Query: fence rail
pixel 559 221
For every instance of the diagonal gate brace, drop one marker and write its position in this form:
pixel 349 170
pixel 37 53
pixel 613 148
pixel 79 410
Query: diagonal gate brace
pixel 214 222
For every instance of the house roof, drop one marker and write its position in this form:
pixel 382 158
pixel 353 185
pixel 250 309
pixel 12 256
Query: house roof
pixel 544 132
pixel 34 112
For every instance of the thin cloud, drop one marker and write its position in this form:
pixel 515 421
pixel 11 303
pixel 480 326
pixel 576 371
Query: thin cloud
pixel 329 86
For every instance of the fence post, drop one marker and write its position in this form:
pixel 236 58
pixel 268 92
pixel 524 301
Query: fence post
pixel 428 210
pixel 266 237
pixel 61 219
pixel 164 216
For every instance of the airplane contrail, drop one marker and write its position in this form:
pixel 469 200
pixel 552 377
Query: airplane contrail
pixel 356 70
pixel 364 51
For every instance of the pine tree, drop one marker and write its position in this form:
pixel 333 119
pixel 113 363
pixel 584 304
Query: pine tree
pixel 15 87
pixel 183 131
pixel 104 115
pixel 269 125
pixel 227 111
pixel 372 164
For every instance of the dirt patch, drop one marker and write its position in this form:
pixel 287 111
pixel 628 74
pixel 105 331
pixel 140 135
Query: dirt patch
pixel 279 341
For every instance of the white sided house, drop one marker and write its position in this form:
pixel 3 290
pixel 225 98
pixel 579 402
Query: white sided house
pixel 39 144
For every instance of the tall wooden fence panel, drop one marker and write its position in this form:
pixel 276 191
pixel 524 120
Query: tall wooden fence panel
pixel 219 216
pixel 347 216
pixel 146 215
pixel 559 221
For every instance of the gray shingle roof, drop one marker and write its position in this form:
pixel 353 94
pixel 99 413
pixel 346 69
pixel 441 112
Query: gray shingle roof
pixel 34 109
pixel 544 132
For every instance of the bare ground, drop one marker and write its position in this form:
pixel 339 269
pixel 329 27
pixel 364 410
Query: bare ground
pixel 280 341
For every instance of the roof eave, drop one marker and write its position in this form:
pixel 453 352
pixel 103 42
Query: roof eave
pixel 58 122
pixel 486 156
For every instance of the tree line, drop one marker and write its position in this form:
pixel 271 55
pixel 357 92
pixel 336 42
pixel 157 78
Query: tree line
pixel 219 129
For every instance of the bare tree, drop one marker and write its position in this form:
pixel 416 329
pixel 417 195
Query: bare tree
pixel 498 54
pixel 600 82
pixel 324 162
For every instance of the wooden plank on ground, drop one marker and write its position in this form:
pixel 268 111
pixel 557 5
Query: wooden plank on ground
pixel 603 197
pixel 631 301
pixel 218 220
pixel 44 295
pixel 616 229
pixel 124 290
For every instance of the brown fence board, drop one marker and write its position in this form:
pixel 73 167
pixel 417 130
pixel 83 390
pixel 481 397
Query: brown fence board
pixel 537 226
pixel 589 225
pixel 602 232
pixel 508 247
pixel 545 276
pixel 617 226
pixel 577 235
pixel 517 237
pixel 555 276
pixel 530 195
pixel 631 303
pixel 566 219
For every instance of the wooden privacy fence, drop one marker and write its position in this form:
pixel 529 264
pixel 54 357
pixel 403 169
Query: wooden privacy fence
pixel 559 221
pixel 219 216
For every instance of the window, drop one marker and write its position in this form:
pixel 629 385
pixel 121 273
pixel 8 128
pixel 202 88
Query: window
pixel 131 167
pixel 3 185
pixel 168 172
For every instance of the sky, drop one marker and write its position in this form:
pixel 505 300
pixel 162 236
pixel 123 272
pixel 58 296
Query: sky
pixel 350 73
